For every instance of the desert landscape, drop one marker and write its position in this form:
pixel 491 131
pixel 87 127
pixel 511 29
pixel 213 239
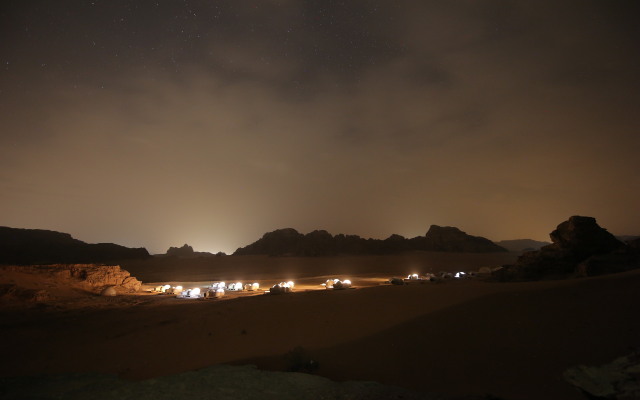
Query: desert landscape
pixel 330 200
pixel 472 337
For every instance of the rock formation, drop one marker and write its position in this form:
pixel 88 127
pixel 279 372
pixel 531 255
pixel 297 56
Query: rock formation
pixel 289 242
pixel 184 251
pixel 37 246
pixel 452 239
pixel 580 247
pixel 25 285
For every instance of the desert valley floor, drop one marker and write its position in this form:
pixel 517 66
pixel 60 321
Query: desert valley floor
pixel 459 337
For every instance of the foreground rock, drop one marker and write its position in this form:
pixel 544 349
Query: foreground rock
pixel 616 380
pixel 219 382
pixel 580 248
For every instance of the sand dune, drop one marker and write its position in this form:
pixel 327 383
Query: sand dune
pixel 460 337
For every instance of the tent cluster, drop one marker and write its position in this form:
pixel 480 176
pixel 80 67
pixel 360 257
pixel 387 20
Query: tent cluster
pixel 168 289
pixel 281 288
pixel 337 284
pixel 215 290
pixel 218 289
pixel 429 277
pixel 194 293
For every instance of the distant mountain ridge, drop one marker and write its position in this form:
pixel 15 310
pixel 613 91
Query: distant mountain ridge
pixel 289 242
pixel 522 244
pixel 39 246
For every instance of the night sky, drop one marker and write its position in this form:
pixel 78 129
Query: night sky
pixel 159 123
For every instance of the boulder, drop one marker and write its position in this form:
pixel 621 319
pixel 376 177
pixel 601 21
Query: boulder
pixel 109 291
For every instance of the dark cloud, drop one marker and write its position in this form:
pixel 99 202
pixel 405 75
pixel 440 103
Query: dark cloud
pixel 213 122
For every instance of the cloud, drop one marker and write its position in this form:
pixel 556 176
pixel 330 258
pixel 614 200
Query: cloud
pixel 500 118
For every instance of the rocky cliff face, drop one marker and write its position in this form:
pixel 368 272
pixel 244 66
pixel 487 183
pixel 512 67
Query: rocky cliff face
pixel 580 247
pixel 37 246
pixel 89 275
pixel 290 242
pixel 43 282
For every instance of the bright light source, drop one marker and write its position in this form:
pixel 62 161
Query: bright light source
pixel 346 281
pixel 178 288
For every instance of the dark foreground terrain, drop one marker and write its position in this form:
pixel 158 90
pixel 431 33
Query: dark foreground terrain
pixel 456 338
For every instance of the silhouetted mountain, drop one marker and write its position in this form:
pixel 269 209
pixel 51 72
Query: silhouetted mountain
pixel 522 244
pixel 289 242
pixel 451 239
pixel 186 251
pixel 580 247
pixel 38 246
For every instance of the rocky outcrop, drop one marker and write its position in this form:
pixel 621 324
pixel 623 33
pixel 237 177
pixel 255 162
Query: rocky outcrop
pixel 10 291
pixel 580 247
pixel 99 276
pixel 65 285
pixel 37 246
pixel 289 242
pixel 622 259
pixel 90 276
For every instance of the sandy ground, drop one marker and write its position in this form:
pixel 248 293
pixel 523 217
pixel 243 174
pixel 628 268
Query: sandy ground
pixel 459 337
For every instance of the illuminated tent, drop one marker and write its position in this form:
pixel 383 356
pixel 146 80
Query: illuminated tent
pixel 282 287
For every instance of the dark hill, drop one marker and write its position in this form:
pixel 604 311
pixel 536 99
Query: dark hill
pixel 452 239
pixel 38 246
pixel 289 242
